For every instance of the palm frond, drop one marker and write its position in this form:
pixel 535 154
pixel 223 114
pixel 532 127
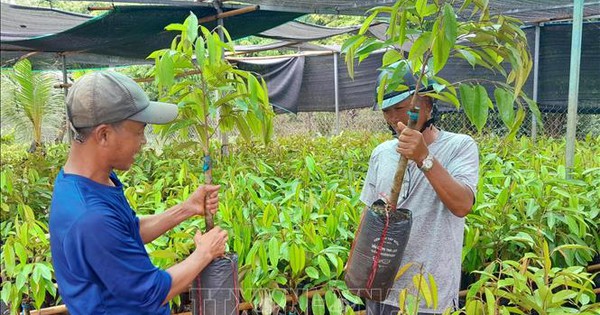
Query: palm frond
pixel 33 108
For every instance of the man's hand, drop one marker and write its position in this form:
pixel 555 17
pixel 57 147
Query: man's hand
pixel 205 198
pixel 212 243
pixel 208 247
pixel 411 144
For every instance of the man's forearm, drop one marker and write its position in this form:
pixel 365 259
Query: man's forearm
pixel 455 195
pixel 184 272
pixel 153 226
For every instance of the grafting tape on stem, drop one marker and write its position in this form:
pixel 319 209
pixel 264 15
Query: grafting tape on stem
pixel 207 164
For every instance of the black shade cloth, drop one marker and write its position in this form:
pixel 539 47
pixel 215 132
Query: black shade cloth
pixel 284 80
pixel 305 32
pixel 136 31
pixel 20 22
pixel 317 89
pixel 529 11
pixel 316 83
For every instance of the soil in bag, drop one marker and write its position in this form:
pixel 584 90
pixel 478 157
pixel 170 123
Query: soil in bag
pixel 373 262
pixel 218 290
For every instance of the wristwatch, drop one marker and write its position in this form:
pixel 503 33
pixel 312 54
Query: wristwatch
pixel 427 163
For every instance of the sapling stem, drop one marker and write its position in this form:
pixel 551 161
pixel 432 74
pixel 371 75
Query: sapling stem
pixel 413 116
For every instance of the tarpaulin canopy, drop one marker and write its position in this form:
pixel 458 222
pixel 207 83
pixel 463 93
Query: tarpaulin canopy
pixel 125 31
pixel 529 11
pixel 26 28
pixel 20 22
pixel 305 32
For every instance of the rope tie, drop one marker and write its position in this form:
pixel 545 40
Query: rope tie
pixel 377 257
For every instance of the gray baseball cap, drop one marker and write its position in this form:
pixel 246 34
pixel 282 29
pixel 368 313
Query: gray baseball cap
pixel 106 97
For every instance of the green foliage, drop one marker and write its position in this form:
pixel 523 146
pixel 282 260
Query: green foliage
pixel 292 233
pixel 30 103
pixel 217 92
pixel 26 185
pixel 27 269
pixel 494 42
pixel 293 208
pixel 424 289
pixel 524 200
pixel 531 285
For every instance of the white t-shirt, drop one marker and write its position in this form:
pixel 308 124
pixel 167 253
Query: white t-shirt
pixel 436 236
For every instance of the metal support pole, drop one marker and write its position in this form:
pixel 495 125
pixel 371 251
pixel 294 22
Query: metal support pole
pixel 65 128
pixel 574 83
pixel 336 93
pixel 536 67
pixel 64 73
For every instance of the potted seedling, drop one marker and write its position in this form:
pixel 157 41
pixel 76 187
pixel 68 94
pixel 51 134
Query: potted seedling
pixel 212 95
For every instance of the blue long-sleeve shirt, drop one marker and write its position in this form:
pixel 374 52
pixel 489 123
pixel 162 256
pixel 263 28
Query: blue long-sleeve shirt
pixel 99 258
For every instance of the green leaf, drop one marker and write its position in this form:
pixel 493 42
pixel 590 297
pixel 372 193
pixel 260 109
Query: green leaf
pixel 303 302
pixel 420 283
pixel 295 259
pixel 475 101
pixel 6 290
pixel 450 24
pixel 402 35
pixel 535 111
pixel 279 298
pixel 421 7
pixel 563 296
pixel 21 253
pixel 175 27
pixel 352 42
pixel 434 291
pixel 164 254
pixel 517 123
pixel 504 102
pixel 39 295
pixel 191 23
pixel 200 51
pixel 166 71
pixel 312 272
pixel 367 23
pixel 318 307
pixel 441 51
pixel 20 281
pixel 324 266
pixel 310 164
pixel 274 252
pixel 351 297
pixel 9 257
pixel 468 56
pixel 445 29
pixel 421 45
pixel 36 275
pixel 390 57
pixel 45 271
pixel 381 89
pixel 334 305
pixel 403 270
pixel 490 301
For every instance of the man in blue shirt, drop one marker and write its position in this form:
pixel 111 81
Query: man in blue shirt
pixel 97 241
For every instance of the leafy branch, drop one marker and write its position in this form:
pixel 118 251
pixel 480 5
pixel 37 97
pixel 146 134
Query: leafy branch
pixel 496 43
